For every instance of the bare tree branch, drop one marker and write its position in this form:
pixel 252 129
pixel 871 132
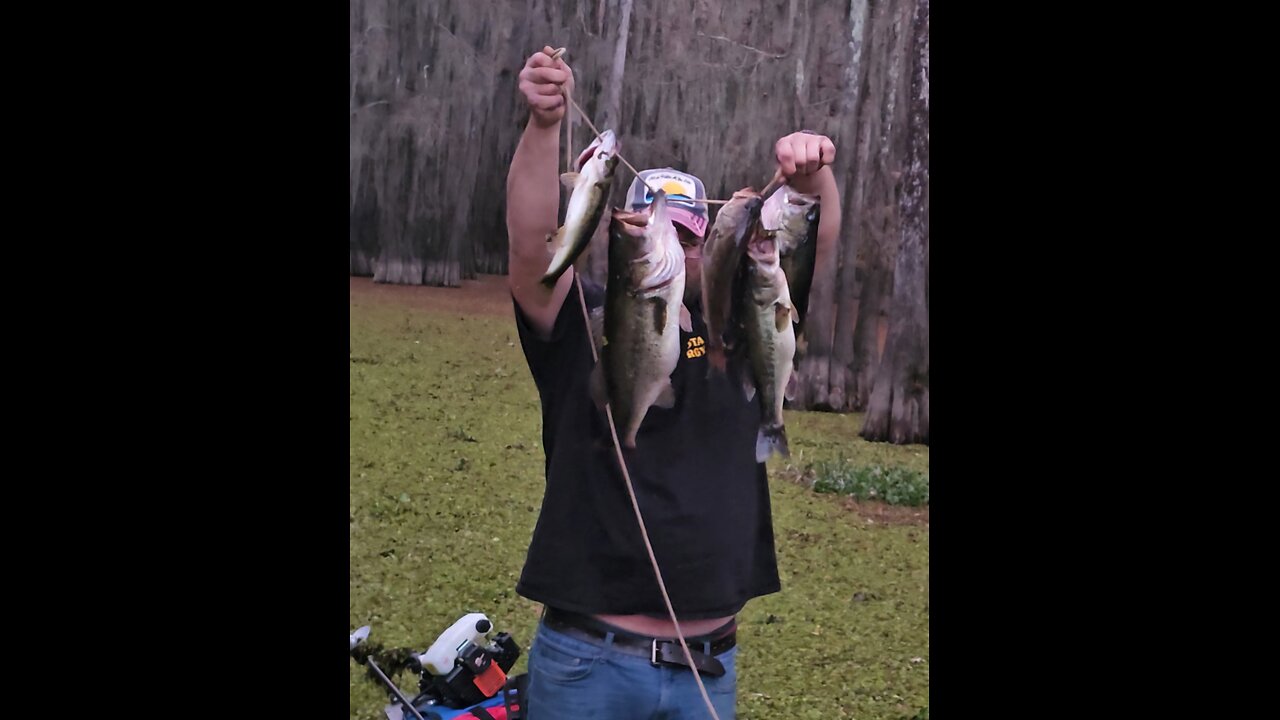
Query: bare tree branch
pixel 772 56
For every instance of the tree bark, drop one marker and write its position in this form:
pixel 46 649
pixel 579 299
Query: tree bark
pixel 597 263
pixel 846 308
pixel 899 408
pixel 882 147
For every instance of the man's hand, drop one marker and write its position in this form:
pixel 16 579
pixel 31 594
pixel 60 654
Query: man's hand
pixel 805 160
pixel 803 154
pixel 541 83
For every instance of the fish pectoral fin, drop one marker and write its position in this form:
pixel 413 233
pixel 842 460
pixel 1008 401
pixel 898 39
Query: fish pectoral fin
pixel 569 179
pixel 793 386
pixel 556 236
pixel 666 397
pixel 686 320
pixel 659 314
pixel 782 314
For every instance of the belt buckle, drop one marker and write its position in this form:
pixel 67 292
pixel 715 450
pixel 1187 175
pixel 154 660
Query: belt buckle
pixel 653 652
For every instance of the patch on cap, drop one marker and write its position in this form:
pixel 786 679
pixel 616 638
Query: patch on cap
pixel 678 186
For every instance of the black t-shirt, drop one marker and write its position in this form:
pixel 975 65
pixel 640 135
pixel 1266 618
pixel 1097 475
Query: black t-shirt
pixel 704 498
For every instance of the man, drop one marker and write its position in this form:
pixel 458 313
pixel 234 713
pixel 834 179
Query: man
pixel 606 647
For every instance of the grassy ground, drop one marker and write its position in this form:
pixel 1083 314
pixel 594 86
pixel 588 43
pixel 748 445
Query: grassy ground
pixel 446 480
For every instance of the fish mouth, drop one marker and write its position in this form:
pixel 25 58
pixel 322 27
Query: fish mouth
pixel 632 223
pixel 799 202
pixel 606 146
pixel 762 246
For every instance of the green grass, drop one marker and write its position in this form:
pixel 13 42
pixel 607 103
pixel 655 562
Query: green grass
pixel 827 437
pixel 446 480
pixel 892 485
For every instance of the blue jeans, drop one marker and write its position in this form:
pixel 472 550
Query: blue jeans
pixel 577 679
